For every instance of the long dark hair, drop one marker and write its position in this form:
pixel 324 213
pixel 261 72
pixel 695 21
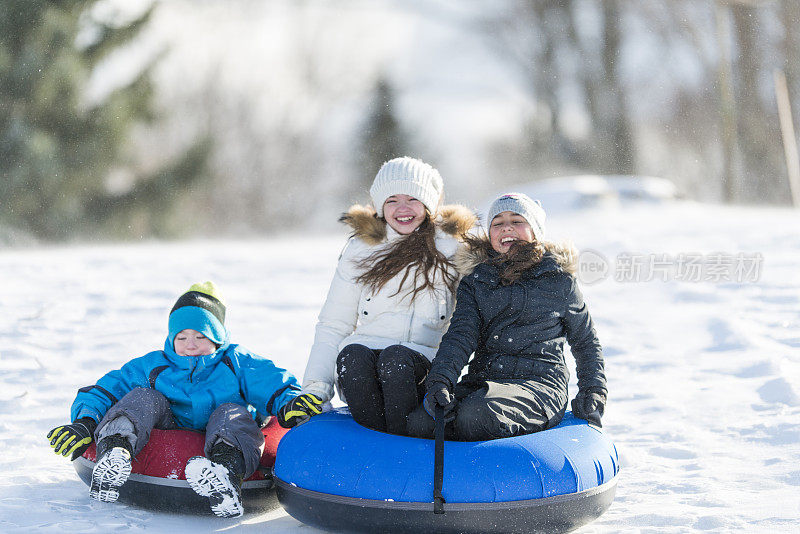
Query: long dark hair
pixel 520 257
pixel 415 252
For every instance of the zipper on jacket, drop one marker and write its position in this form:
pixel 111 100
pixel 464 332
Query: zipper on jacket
pixel 411 320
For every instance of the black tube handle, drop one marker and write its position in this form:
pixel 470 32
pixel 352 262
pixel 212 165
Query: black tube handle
pixel 438 460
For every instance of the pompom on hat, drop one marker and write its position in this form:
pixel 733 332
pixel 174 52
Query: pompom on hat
pixel 407 176
pixel 201 308
pixel 521 204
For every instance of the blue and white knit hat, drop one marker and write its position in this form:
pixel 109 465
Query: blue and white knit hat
pixel 407 176
pixel 523 205
pixel 200 308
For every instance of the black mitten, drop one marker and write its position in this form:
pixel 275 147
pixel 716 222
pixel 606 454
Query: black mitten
pixel 439 393
pixel 589 404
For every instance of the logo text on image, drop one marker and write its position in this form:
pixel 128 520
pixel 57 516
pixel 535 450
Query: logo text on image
pixel 593 267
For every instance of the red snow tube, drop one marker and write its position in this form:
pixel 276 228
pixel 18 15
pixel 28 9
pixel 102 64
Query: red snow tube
pixel 158 480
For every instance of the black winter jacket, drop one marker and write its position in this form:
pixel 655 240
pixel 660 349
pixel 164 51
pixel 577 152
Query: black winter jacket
pixel 518 331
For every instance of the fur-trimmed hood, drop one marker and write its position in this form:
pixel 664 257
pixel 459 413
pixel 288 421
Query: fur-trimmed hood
pixel 469 256
pixel 453 219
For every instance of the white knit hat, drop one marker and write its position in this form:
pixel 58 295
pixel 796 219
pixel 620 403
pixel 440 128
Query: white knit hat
pixel 407 176
pixel 523 205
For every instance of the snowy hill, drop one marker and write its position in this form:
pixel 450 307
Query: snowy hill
pixel 702 345
pixel 561 194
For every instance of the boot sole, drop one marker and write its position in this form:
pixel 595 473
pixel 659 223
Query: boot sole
pixel 110 473
pixel 211 480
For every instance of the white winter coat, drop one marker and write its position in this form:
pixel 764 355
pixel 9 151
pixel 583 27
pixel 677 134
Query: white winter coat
pixel 352 313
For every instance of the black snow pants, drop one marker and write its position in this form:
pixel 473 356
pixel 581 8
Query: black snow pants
pixel 382 387
pixel 491 409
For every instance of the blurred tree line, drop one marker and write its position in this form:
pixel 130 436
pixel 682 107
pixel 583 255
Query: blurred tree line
pixel 681 89
pixel 718 125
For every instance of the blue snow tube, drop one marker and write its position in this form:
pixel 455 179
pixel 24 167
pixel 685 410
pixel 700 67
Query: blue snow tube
pixel 337 475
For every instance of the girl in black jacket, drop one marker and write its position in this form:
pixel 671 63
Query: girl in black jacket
pixel 514 311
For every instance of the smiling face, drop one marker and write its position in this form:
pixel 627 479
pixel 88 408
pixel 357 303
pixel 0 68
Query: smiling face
pixel 190 342
pixel 507 228
pixel 403 213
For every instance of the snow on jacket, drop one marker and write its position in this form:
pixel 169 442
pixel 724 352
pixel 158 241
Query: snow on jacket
pixel 353 313
pixel 518 331
pixel 194 385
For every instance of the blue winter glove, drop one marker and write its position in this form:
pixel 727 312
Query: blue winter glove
pixel 439 393
pixel 299 409
pixel 590 405
pixel 73 438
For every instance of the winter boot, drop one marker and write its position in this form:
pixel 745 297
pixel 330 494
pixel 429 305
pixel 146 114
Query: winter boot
pixel 112 469
pixel 219 477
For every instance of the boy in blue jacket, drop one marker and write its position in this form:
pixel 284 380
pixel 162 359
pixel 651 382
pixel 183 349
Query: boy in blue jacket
pixel 199 381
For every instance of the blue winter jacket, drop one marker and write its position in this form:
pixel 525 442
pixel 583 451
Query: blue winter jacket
pixel 194 386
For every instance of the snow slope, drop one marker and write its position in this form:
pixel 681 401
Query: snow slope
pixel 704 376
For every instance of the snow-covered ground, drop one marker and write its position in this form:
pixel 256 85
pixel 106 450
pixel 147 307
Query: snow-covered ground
pixel 704 372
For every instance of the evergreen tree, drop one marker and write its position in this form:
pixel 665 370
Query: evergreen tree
pixel 382 138
pixel 56 147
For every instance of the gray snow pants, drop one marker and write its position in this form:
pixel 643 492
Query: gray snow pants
pixel 492 409
pixel 144 409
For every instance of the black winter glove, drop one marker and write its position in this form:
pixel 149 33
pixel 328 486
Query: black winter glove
pixel 299 409
pixel 73 438
pixel 439 393
pixel 589 405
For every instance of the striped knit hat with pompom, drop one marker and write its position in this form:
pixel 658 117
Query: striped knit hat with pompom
pixel 201 308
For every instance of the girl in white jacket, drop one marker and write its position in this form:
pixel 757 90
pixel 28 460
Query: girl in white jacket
pixel 390 300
